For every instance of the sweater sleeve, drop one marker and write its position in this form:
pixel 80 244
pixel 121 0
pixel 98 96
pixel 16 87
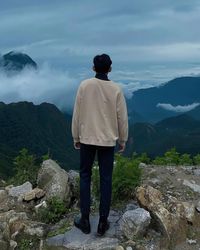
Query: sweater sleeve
pixel 75 117
pixel 122 118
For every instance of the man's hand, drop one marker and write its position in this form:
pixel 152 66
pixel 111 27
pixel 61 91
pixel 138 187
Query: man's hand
pixel 77 145
pixel 122 147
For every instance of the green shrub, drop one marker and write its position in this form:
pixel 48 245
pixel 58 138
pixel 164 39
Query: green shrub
pixel 172 157
pixel 159 160
pixel 142 158
pixel 126 176
pixel 25 168
pixel 196 159
pixel 185 159
pixel 54 210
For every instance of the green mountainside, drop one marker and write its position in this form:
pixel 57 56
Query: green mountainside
pixel 39 128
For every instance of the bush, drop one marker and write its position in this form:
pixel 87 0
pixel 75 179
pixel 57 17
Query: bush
pixel 126 177
pixel 196 159
pixel 54 211
pixel 25 168
pixel 186 160
pixel 172 157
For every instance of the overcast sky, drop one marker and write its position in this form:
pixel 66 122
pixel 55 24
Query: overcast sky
pixel 150 42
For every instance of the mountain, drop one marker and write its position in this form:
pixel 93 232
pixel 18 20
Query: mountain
pixel 180 91
pixel 16 61
pixel 195 113
pixel 39 128
pixel 182 132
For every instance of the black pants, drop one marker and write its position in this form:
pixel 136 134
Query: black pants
pixel 105 160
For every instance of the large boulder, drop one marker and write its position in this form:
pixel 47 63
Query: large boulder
pixel 135 222
pixel 168 213
pixel 54 181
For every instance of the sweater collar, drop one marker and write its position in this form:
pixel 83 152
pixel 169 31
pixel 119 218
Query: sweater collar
pixel 102 76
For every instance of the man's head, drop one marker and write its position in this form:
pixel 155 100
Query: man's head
pixel 102 63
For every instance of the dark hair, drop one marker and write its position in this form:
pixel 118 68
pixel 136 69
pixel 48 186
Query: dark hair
pixel 102 63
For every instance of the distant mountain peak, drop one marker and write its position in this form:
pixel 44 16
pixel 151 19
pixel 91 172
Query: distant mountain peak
pixel 17 61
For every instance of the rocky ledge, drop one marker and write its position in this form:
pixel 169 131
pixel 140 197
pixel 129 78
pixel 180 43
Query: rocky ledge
pixel 163 214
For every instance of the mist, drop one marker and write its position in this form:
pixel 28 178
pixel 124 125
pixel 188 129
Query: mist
pixel 47 84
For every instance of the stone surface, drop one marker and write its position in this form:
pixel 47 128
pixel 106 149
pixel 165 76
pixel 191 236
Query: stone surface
pixel 135 222
pixel 76 240
pixel 54 180
pixel 3 195
pixel 20 190
pixel 196 172
pixel 193 186
pixel 168 215
pixel 3 245
pixel 189 211
pixel 36 193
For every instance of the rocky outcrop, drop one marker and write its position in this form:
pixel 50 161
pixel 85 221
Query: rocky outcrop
pixel 169 214
pixel 54 181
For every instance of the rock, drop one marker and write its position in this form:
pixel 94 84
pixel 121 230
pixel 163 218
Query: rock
pixel 135 222
pixel 3 195
pixel 76 240
pixel 74 183
pixel 119 248
pixel 7 188
pixel 41 205
pixel 131 206
pixel 34 228
pixel 3 245
pixel 198 207
pixel 13 244
pixel 154 181
pixel 20 190
pixel 193 186
pixel 142 165
pixel 36 193
pixel 168 217
pixel 129 248
pixel 189 211
pixel 196 172
pixel 54 180
pixel 191 242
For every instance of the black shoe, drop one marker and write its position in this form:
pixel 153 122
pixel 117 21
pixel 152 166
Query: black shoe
pixel 103 226
pixel 83 225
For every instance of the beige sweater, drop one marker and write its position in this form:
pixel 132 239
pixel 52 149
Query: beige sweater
pixel 100 114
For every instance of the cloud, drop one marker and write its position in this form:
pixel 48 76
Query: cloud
pixel 178 108
pixel 43 85
pixel 47 84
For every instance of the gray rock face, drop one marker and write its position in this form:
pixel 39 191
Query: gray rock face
pixel 20 190
pixel 3 195
pixel 189 211
pixel 54 180
pixel 196 172
pixel 135 222
pixel 193 186
pixel 76 240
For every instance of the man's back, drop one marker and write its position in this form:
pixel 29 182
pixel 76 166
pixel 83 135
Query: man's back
pixel 102 113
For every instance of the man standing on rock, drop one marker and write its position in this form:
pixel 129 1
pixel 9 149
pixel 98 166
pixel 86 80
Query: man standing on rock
pixel 99 120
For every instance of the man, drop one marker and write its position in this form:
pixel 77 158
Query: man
pixel 99 120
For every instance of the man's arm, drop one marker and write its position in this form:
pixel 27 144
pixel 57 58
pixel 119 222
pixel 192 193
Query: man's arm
pixel 75 118
pixel 122 118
